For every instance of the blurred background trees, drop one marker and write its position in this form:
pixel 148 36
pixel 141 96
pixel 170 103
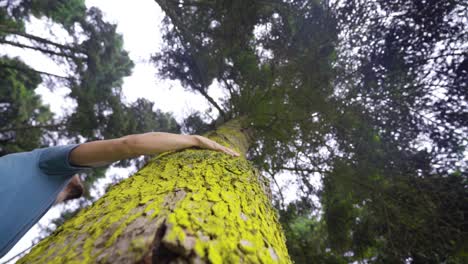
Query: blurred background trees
pixel 91 54
pixel 363 103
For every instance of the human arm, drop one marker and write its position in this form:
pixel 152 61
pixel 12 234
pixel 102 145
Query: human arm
pixel 102 152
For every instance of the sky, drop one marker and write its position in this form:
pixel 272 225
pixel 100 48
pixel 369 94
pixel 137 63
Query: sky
pixel 139 22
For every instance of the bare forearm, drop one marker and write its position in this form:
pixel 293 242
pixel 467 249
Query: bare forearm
pixel 157 142
pixel 102 152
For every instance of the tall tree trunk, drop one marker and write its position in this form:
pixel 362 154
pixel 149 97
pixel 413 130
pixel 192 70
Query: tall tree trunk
pixel 191 206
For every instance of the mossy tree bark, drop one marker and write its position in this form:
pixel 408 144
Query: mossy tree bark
pixel 191 206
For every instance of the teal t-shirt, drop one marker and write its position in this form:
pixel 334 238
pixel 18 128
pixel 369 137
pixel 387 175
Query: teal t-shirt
pixel 29 185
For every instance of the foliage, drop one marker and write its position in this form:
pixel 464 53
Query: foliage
pixel 20 109
pixel 409 69
pixel 64 12
pixel 95 64
pixel 370 96
pixel 306 234
pixel 95 59
pixel 195 124
pixel 407 128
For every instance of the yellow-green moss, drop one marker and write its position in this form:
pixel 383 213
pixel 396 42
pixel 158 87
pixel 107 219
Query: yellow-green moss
pixel 212 204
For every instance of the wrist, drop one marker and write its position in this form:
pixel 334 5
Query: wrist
pixel 195 139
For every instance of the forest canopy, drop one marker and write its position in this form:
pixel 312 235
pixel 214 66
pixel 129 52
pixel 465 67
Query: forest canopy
pixel 369 98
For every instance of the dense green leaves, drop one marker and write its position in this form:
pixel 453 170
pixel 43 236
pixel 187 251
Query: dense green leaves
pixel 23 117
pixel 307 236
pixel 403 85
pixel 410 57
pixel 96 62
pixel 64 12
pixel 95 59
pixel 98 89
pixel 370 96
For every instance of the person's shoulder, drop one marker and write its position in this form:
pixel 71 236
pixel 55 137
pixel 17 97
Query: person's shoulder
pixel 20 155
pixel 56 160
pixel 33 154
pixel 18 162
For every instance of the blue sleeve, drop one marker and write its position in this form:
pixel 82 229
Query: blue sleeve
pixel 29 185
pixel 55 161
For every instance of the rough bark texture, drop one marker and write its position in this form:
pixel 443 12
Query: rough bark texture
pixel 192 206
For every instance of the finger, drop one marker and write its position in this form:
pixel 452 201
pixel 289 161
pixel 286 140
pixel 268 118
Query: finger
pixel 230 152
pixel 222 148
pixel 233 152
pixel 218 147
pixel 225 150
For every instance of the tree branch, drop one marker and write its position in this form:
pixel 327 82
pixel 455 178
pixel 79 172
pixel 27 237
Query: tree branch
pixel 16 44
pixel 169 10
pixel 210 99
pixel 26 70
pixel 39 39
pixel 56 126
pixel 282 200
pixel 296 169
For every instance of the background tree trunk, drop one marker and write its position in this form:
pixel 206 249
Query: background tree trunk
pixel 191 206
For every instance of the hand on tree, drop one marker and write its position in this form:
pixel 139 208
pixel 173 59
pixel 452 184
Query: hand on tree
pixel 205 143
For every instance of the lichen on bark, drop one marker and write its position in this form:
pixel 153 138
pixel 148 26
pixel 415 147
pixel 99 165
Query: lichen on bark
pixel 191 206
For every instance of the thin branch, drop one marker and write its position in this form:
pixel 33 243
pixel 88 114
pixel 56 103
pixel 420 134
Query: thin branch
pixel 186 3
pixel 165 5
pixel 210 99
pixel 56 126
pixel 26 70
pixel 39 39
pixel 296 169
pixel 229 87
pixel 282 200
pixel 16 44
